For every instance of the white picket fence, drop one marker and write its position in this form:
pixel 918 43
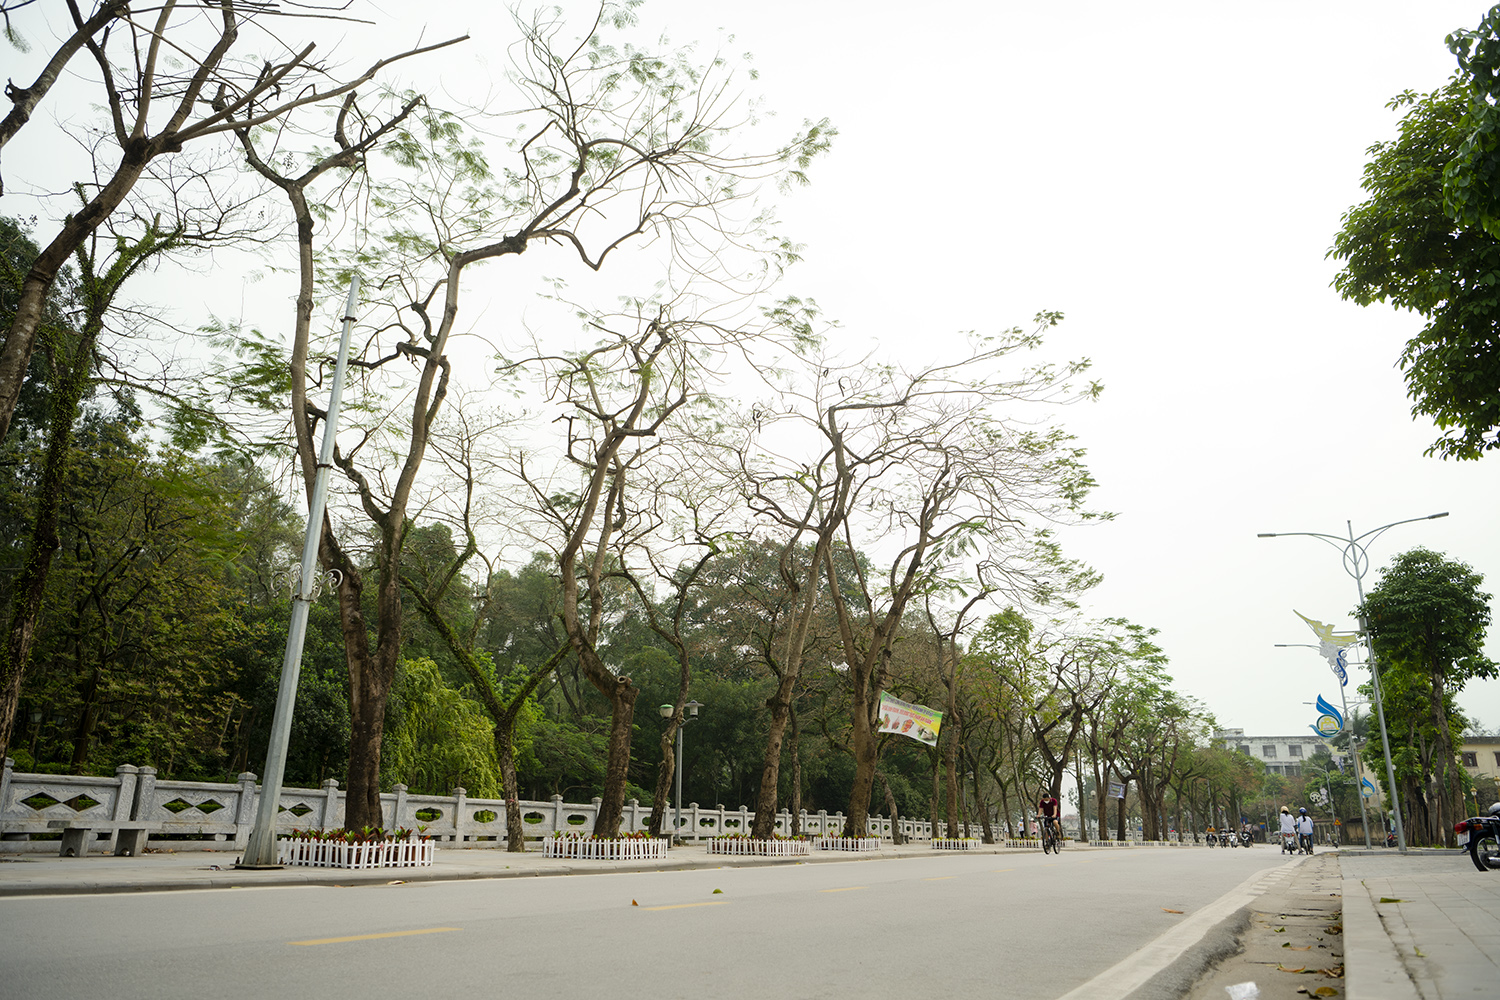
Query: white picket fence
pixel 847 843
pixel 747 846
pixel 409 853
pixel 590 849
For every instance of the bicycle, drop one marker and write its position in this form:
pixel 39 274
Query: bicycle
pixel 1050 840
pixel 1305 843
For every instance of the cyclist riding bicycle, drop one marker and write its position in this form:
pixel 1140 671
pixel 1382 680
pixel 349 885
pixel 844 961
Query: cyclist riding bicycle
pixel 1050 812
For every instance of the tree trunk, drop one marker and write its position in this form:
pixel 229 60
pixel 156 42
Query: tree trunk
pixel 665 772
pixel 780 702
pixel 617 759
pixel 796 803
pixel 862 733
pixel 984 812
pixel 890 804
pixel 505 750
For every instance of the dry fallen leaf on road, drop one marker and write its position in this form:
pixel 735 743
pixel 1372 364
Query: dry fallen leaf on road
pixel 1325 991
pixel 634 903
pixel 1295 947
pixel 1165 910
pixel 1282 968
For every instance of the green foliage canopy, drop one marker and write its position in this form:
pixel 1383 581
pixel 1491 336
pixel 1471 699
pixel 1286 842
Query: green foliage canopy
pixel 1399 246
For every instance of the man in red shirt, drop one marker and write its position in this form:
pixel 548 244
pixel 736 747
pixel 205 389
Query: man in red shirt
pixel 1050 811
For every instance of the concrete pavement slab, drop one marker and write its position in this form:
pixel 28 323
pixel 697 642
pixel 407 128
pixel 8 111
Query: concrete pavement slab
pixel 1425 924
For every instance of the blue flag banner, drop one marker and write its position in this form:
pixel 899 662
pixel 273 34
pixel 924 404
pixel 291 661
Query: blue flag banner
pixel 1366 787
pixel 1330 721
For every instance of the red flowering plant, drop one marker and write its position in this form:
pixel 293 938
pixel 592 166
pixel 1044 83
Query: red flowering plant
pixel 343 835
pixel 578 835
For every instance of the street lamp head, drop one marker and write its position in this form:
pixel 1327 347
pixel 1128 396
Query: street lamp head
pixel 666 711
pixel 692 708
pixel 1434 517
pixel 1265 534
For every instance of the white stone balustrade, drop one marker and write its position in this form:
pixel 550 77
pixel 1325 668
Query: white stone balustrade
pixel 198 815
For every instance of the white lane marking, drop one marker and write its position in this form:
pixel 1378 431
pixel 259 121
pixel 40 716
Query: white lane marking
pixel 1127 976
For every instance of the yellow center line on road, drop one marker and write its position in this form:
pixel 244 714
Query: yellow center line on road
pixel 1002 869
pixel 847 888
pixel 939 878
pixel 372 937
pixel 683 906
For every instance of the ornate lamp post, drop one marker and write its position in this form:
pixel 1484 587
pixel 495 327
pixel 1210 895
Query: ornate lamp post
pixel 690 714
pixel 1356 564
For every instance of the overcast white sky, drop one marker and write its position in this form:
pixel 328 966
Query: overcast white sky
pixel 1170 176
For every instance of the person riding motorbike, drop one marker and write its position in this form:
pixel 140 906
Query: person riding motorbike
pixel 1304 831
pixel 1288 831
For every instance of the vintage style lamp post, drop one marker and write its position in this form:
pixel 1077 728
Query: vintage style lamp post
pixel 690 714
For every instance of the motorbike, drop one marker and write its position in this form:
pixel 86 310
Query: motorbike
pixel 1481 836
pixel 1289 843
pixel 1244 838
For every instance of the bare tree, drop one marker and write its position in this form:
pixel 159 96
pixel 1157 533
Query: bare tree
pixel 166 83
pixel 617 146
pixel 617 400
pixel 927 463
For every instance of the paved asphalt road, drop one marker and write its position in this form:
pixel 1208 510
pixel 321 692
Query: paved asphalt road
pixel 1010 925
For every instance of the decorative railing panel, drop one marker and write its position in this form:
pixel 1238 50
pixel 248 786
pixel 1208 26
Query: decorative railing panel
pixel 195 815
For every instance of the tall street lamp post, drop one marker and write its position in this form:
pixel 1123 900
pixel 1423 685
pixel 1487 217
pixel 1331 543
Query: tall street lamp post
pixel 1356 564
pixel 1364 818
pixel 690 714
pixel 260 850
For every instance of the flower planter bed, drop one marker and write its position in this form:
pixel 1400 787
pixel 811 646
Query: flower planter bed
pixel 955 844
pixel 342 854
pixel 602 849
pixel 847 843
pixel 760 848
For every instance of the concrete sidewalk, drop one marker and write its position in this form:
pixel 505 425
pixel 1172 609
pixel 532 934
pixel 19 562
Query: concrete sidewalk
pixel 1424 926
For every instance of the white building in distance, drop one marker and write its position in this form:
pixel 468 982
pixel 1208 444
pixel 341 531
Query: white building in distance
pixel 1281 754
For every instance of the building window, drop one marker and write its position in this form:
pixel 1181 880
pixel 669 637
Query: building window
pixel 1294 749
pixel 1268 751
pixel 1245 749
pixel 1497 758
pixel 1471 758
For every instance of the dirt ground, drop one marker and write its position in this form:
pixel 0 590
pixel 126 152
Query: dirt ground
pixel 1293 947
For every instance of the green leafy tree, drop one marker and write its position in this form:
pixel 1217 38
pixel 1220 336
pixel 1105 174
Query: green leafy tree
pixel 1400 246
pixel 138 616
pixel 1471 179
pixel 442 738
pixel 1428 619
